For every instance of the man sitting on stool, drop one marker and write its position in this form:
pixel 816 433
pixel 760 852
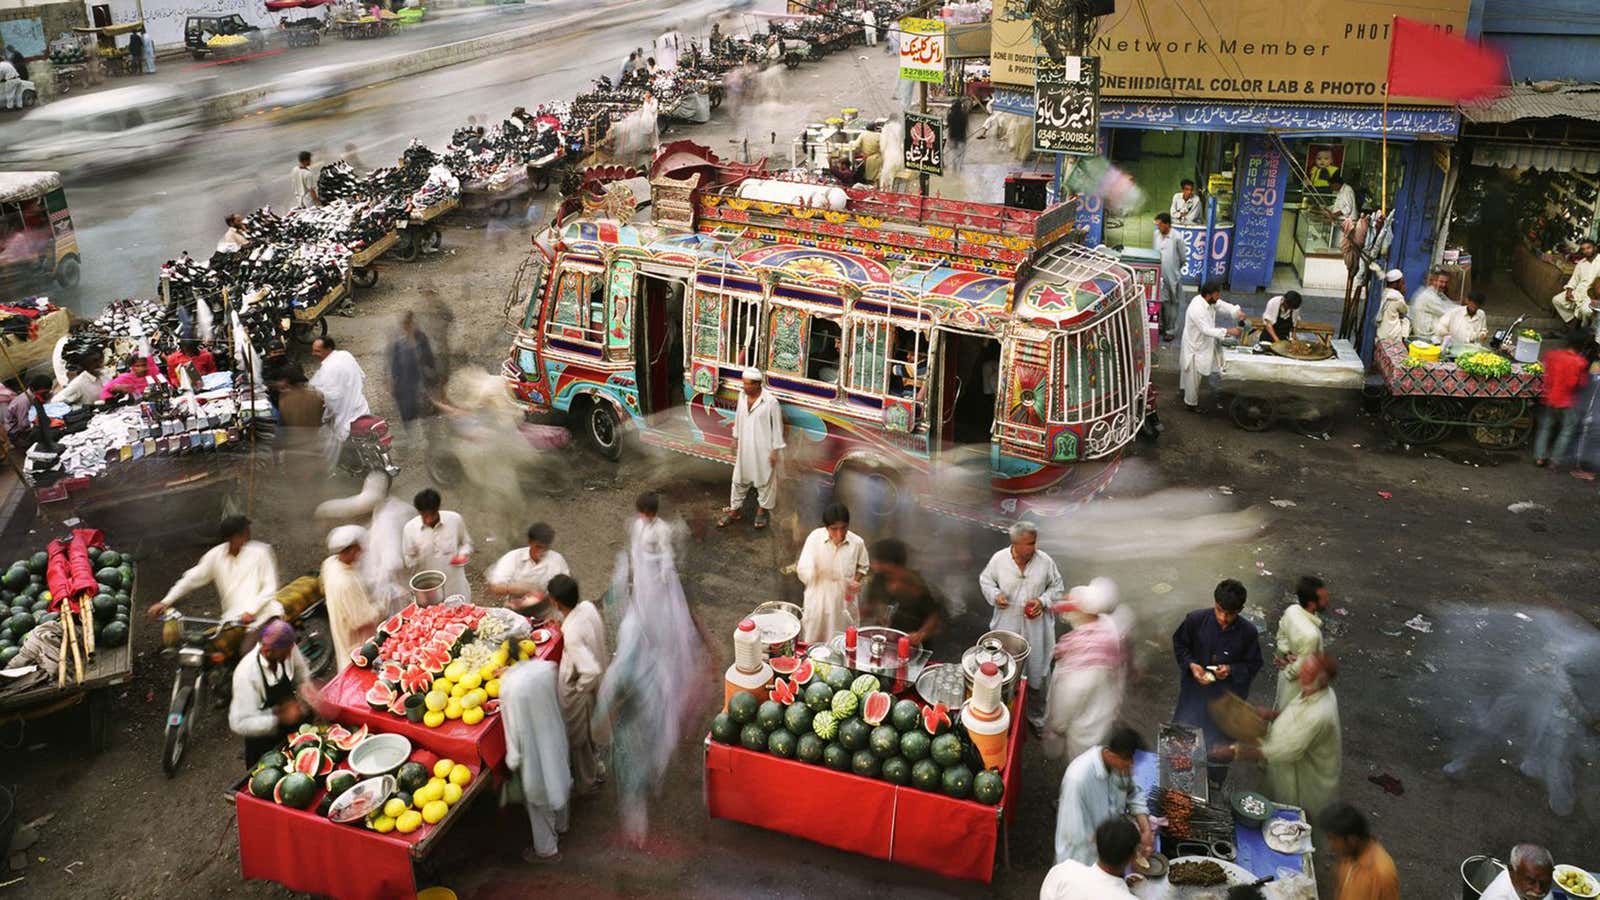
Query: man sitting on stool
pixel 267 685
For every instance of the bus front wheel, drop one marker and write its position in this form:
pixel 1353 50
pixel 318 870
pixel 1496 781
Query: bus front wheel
pixel 603 429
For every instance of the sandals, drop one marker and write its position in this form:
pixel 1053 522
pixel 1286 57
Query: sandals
pixel 762 518
pixel 728 516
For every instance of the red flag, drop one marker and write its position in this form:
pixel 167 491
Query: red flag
pixel 1427 61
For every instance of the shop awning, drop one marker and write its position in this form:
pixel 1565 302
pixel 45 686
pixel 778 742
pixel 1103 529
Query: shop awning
pixel 117 30
pixel 1530 156
pixel 1540 100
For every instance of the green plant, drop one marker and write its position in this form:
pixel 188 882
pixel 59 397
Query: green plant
pixel 1530 334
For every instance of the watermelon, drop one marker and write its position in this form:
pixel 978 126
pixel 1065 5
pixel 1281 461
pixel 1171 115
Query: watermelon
pixel 884 741
pixel 946 750
pixel 109 576
pixel 839 678
pixel 927 775
pixel 896 770
pixel 809 748
pixel 302 740
pixel 783 666
pixel 424 758
pixel 836 757
pixel 115 634
pixel 803 672
pixel 433 661
pixel 819 696
pixel 307 760
pixel 854 734
pixel 957 782
pixel 398 704
pixel 875 707
pixel 391 672
pixel 111 558
pixel 823 725
pixel 865 764
pixel 936 719
pixel 988 787
pixel 379 696
pixel 359 657
pixel 753 738
pixel 864 685
pixel 272 759
pixel 845 704
pixel 781 743
pixel 16 578
pixel 742 707
pixel 296 790
pixel 337 735
pixel 769 715
pixel 410 776
pixel 724 730
pixel 38 563
pixel 327 765
pixel 782 691
pixel 416 679
pixel 797 718
pixel 264 781
pixel 339 781
pixel 392 625
pixel 351 739
pixel 914 746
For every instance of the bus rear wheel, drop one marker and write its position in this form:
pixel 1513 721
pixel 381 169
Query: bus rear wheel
pixel 603 429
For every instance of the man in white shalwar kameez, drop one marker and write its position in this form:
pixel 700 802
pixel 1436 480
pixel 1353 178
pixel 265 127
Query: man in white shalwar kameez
pixel 832 566
pixel 1299 636
pixel 757 443
pixel 1393 324
pixel 342 384
pixel 244 572
pixel 352 615
pixel 1172 251
pixel 1574 303
pixel 1302 749
pixel 1201 355
pixel 1022 583
pixel 437 540
pixel 584 657
pixel 1090 676
pixel 536 753
pixel 1463 325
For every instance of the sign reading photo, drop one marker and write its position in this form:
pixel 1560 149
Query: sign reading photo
pixel 1066 113
pixel 924 143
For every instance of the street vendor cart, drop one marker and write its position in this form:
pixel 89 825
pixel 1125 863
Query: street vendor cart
pixel 363 271
pixel 495 194
pixel 1430 398
pixel 1295 379
pixel 311 322
pixel 419 233
pixel 29 330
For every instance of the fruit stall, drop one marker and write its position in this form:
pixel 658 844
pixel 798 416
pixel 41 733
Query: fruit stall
pixel 833 756
pixel 65 631
pixel 344 811
pixel 1489 397
pixel 431 675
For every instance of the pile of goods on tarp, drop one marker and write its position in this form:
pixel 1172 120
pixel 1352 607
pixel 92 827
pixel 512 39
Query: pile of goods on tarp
pixel 827 715
pixel 442 663
pixel 20 319
pixel 312 770
pixel 420 172
pixel 27 602
pixel 501 151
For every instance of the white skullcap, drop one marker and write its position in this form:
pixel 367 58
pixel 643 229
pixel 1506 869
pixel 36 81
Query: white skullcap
pixel 753 374
pixel 346 536
pixel 1393 275
pixel 1098 597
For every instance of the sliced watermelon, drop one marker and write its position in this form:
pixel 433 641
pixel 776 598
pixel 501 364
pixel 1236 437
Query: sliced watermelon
pixel 490 707
pixel 398 704
pixel 277 792
pixel 337 735
pixel 936 719
pixel 803 672
pixel 782 691
pixel 380 695
pixel 327 765
pixel 876 708
pixel 433 660
pixel 393 625
pixel 308 761
pixel 416 679
pixel 303 740
pixel 783 665
pixel 391 672
pixel 359 658
pixel 411 611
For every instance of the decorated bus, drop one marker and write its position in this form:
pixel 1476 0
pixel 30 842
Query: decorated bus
pixel 974 356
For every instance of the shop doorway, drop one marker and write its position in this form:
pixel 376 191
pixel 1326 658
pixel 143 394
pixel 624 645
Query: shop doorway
pixel 658 355
pixel 971 375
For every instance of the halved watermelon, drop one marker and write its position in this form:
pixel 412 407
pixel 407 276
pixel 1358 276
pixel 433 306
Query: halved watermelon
pixel 303 740
pixel 327 765
pixel 876 708
pixel 380 695
pixel 416 679
pixel 354 739
pixel 783 665
pixel 935 718
pixel 337 735
pixel 398 704
pixel 308 761
pixel 392 625
pixel 782 691
pixel 803 672
pixel 391 672
pixel 359 658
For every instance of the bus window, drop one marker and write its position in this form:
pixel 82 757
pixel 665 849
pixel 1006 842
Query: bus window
pixel 888 359
pixel 822 352
pixel 803 344
pixel 578 309
pixel 727 335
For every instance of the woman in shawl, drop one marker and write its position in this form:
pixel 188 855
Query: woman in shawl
pixel 536 754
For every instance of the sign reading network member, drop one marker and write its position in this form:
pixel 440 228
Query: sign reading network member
pixel 922 50
pixel 1066 105
pixel 924 143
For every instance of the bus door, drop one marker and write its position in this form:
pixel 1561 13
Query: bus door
pixel 1023 414
pixel 968 384
pixel 658 360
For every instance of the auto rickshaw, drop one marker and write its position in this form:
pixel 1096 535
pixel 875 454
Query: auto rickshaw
pixel 37 242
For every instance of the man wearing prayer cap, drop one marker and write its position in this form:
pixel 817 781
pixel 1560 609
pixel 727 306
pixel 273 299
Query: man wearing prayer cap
pixel 352 615
pixel 757 443
pixel 1392 311
pixel 1090 675
pixel 267 683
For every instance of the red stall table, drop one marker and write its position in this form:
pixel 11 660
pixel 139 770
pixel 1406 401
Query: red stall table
pixel 484 742
pixel 310 853
pixel 902 824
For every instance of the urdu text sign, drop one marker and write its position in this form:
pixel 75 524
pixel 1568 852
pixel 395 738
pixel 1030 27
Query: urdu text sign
pixel 922 50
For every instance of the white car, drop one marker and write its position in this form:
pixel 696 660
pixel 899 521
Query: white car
pixel 318 91
pixel 103 131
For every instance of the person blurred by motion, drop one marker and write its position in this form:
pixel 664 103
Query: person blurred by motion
pixel 1529 875
pixel 267 685
pixel 757 449
pixel 1299 635
pixel 352 616
pixel 303 183
pixel 1217 651
pixel 1429 303
pixel 897 596
pixel 243 571
pixel 343 384
pixel 1091 671
pixel 584 657
pixel 1464 324
pixel 1097 787
pixel 436 539
pixel 1566 371
pixel 536 754
pixel 523 575
pixel 1116 841
pixel 832 564
pixel 1022 583
pixel 1365 870
pixel 1172 251
pixel 300 411
pixel 411 373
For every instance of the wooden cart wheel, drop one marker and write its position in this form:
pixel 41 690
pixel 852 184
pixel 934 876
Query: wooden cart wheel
pixel 1253 413
pixel 1500 424
pixel 541 180
pixel 409 245
pixel 500 208
pixel 305 333
pixel 364 276
pixel 1419 420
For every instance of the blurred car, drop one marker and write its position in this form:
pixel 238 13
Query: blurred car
pixel 318 91
pixel 103 131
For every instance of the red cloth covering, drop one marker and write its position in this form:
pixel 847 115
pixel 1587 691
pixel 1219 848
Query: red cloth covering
pixel 70 574
pixel 307 852
pixel 955 838
pixel 484 742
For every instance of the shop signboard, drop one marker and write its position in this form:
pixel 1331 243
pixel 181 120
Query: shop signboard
pixel 924 143
pixel 1257 212
pixel 1066 109
pixel 922 50
pixel 1261 51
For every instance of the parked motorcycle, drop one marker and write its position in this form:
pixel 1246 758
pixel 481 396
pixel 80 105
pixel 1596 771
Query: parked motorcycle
pixel 367 450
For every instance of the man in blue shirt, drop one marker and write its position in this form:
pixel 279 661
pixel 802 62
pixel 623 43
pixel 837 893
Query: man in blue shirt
pixel 1217 652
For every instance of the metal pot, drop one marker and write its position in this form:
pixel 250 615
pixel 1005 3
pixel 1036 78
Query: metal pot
pixel 1476 874
pixel 989 649
pixel 779 625
pixel 427 587
pixel 1014 644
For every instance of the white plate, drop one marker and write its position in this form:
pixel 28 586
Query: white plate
pixel 353 805
pixel 1592 883
pixel 1159 889
pixel 541 635
pixel 380 754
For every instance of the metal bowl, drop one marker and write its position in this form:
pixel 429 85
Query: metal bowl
pixel 1014 644
pixel 427 587
pixel 366 796
pixel 1252 819
pixel 380 754
pixel 995 652
pixel 779 625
